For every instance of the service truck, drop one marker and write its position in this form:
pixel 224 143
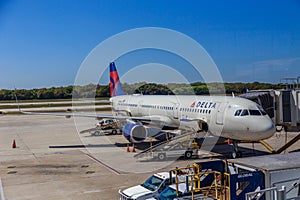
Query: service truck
pixel 272 172
pixel 270 177
pixel 154 185
pixel 151 187
pixel 180 192
pixel 104 127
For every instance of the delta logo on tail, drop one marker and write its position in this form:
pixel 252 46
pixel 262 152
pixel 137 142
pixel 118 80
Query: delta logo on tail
pixel 114 84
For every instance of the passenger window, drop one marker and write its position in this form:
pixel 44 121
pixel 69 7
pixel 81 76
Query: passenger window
pixel 244 113
pixel 254 112
pixel 238 112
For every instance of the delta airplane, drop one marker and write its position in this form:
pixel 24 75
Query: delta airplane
pixel 234 118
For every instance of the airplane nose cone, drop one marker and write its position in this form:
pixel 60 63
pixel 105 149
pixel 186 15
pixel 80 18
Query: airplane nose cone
pixel 267 129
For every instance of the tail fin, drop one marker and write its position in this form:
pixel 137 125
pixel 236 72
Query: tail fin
pixel 115 84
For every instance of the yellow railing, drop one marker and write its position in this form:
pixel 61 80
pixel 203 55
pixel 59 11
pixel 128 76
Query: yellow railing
pixel 219 189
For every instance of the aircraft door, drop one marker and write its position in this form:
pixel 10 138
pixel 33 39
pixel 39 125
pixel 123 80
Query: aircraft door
pixel 220 113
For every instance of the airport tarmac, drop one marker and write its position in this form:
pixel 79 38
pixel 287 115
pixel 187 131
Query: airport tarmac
pixel 51 163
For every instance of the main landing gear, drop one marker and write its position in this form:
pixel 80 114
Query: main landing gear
pixel 236 153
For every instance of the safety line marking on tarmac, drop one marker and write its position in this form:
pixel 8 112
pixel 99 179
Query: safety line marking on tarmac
pixel 1 190
pixel 102 163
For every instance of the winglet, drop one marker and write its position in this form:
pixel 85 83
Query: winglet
pixel 115 84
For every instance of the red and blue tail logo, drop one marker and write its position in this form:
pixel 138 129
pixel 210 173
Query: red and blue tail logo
pixel 115 84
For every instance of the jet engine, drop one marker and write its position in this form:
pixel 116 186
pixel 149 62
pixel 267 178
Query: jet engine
pixel 134 132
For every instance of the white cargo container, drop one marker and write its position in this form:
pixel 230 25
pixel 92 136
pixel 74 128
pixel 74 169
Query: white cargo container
pixel 278 170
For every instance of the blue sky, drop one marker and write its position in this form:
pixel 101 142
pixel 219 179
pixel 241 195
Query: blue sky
pixel 43 43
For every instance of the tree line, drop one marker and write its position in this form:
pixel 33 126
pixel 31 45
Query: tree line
pixel 92 90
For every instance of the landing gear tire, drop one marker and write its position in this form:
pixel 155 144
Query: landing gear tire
pixel 236 154
pixel 188 154
pixel 161 156
pixel 239 154
pixel 233 155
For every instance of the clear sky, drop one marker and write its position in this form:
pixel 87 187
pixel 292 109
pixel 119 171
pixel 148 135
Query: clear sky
pixel 44 42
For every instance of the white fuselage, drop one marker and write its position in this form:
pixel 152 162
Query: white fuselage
pixel 223 115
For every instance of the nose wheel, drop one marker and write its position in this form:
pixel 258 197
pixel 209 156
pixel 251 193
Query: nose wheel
pixel 236 153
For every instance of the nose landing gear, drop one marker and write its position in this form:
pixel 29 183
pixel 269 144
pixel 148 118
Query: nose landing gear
pixel 236 153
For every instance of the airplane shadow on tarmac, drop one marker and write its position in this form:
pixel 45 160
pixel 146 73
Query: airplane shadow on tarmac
pixel 81 146
pixel 224 150
pixel 140 146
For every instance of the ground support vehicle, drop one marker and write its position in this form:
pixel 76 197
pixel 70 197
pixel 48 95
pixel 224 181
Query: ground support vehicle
pixel 271 177
pixel 183 145
pixel 174 151
pixel 179 193
pixel 277 172
pixel 150 188
pixel 104 127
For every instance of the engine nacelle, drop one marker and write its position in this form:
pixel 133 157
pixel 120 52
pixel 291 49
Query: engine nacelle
pixel 134 132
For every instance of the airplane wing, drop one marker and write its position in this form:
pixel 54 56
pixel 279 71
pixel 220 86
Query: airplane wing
pixel 102 101
pixel 124 117
pixel 192 120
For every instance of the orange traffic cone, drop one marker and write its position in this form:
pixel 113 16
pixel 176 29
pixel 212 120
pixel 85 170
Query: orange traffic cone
pixel 128 150
pixel 133 149
pixel 14 145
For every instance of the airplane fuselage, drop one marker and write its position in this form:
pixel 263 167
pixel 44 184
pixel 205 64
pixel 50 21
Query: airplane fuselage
pixel 231 117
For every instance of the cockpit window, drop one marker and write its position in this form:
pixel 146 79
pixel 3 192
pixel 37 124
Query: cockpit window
pixel 262 110
pixel 238 112
pixel 245 112
pixel 254 112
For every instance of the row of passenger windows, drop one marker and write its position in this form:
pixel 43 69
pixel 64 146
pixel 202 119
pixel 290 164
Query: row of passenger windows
pixel 168 108
pixel 180 109
pixel 158 107
pixel 195 110
pixel 246 112
pixel 128 104
pixel 148 106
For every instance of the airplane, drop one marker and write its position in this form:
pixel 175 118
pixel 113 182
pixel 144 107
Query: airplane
pixel 235 118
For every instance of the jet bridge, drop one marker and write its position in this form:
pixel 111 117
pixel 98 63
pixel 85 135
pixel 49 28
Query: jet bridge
pixel 283 106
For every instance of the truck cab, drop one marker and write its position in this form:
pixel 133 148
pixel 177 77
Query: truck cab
pixel 182 193
pixel 170 192
pixel 154 185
